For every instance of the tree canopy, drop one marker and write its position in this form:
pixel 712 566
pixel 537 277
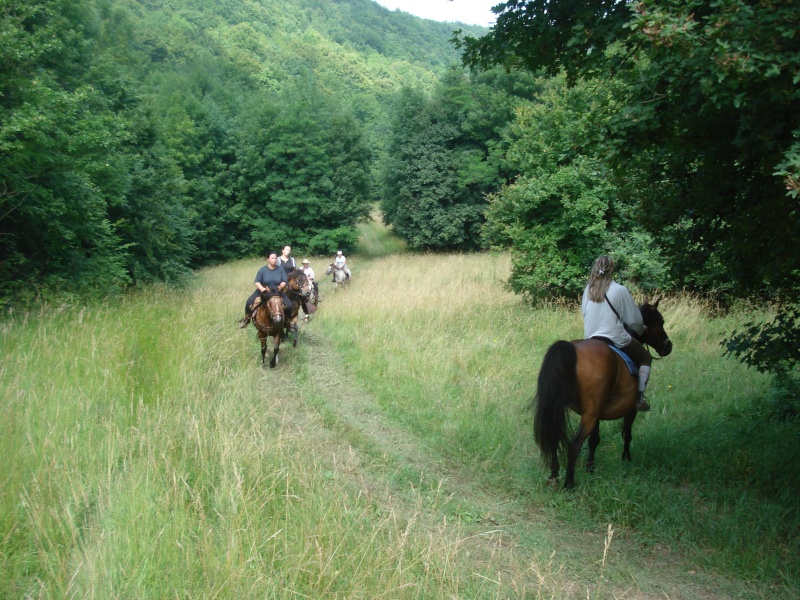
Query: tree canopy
pixel 140 139
pixel 712 118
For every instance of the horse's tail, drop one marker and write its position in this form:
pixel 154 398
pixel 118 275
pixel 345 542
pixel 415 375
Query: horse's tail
pixel 557 386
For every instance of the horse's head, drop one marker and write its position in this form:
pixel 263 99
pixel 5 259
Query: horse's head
pixel 275 308
pixel 300 285
pixel 330 269
pixel 655 335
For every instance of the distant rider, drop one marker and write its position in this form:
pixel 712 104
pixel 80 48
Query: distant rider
pixel 309 272
pixel 286 260
pixel 599 319
pixel 341 262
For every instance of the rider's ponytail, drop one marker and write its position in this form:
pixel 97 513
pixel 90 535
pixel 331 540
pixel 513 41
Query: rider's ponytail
pixel 600 278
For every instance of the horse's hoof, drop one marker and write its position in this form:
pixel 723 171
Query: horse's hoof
pixel 294 343
pixel 552 482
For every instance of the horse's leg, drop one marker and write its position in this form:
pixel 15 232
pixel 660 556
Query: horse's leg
pixel 263 339
pixel 594 442
pixel 627 434
pixel 587 424
pixel 276 346
pixel 553 469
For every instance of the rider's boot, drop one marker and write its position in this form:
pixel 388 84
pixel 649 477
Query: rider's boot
pixel 243 322
pixel 642 405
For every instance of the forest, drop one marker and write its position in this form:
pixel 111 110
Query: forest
pixel 142 139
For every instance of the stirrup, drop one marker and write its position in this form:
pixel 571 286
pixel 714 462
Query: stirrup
pixel 642 405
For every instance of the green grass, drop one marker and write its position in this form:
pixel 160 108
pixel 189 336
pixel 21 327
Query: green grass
pixel 454 360
pixel 376 240
pixel 147 455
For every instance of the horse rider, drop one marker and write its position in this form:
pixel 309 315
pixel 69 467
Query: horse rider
pixel 341 262
pixel 270 278
pixel 607 307
pixel 309 272
pixel 286 260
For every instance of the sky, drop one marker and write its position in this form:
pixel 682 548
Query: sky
pixel 473 12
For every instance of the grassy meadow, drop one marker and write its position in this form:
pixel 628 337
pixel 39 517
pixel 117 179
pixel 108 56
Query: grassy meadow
pixel 146 454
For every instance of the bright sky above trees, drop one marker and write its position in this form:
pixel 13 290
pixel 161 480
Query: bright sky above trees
pixel 474 12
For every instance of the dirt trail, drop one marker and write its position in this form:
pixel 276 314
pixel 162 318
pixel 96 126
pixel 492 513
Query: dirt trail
pixel 392 467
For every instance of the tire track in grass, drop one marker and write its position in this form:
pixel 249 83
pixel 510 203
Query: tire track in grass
pixel 494 529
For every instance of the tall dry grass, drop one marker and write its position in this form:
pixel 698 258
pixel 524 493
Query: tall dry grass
pixel 453 356
pixel 146 455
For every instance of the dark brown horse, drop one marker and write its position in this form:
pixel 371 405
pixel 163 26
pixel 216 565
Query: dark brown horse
pixel 269 320
pixel 592 380
pixel 299 291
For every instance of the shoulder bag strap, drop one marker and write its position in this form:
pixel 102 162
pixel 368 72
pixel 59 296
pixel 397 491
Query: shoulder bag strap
pixel 628 328
pixel 624 324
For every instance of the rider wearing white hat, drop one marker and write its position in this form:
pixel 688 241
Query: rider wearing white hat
pixel 306 268
pixel 341 262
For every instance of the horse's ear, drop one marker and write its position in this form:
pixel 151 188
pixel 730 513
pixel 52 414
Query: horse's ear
pixel 656 301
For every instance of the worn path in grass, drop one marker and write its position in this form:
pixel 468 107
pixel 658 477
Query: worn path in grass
pixel 527 550
pixel 530 553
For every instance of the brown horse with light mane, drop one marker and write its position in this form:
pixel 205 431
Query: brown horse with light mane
pixel 269 320
pixel 588 377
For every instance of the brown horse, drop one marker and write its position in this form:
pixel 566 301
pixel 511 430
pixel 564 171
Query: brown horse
pixel 299 291
pixel 592 380
pixel 269 320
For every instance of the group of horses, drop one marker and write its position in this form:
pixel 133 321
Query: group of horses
pixel 585 376
pixel 270 316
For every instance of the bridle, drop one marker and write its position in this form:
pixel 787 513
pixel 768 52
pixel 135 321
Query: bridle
pixel 648 345
pixel 298 291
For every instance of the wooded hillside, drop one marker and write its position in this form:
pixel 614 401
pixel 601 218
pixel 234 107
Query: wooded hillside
pixel 140 139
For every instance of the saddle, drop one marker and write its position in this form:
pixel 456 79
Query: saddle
pixel 633 367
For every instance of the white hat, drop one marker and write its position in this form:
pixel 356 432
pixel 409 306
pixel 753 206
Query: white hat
pixel 339 252
pixel 305 261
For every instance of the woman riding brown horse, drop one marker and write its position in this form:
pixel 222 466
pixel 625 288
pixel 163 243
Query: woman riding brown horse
pixel 590 378
pixel 269 320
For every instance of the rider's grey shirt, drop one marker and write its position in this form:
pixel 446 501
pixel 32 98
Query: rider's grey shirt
pixel 271 278
pixel 600 320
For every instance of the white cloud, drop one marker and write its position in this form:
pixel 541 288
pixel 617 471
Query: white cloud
pixel 474 12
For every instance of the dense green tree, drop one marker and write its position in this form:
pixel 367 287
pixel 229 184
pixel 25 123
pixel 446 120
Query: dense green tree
pixel 445 155
pixel 710 130
pixel 58 144
pixel 563 209
pixel 302 173
pixel 713 112
pixel 421 179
